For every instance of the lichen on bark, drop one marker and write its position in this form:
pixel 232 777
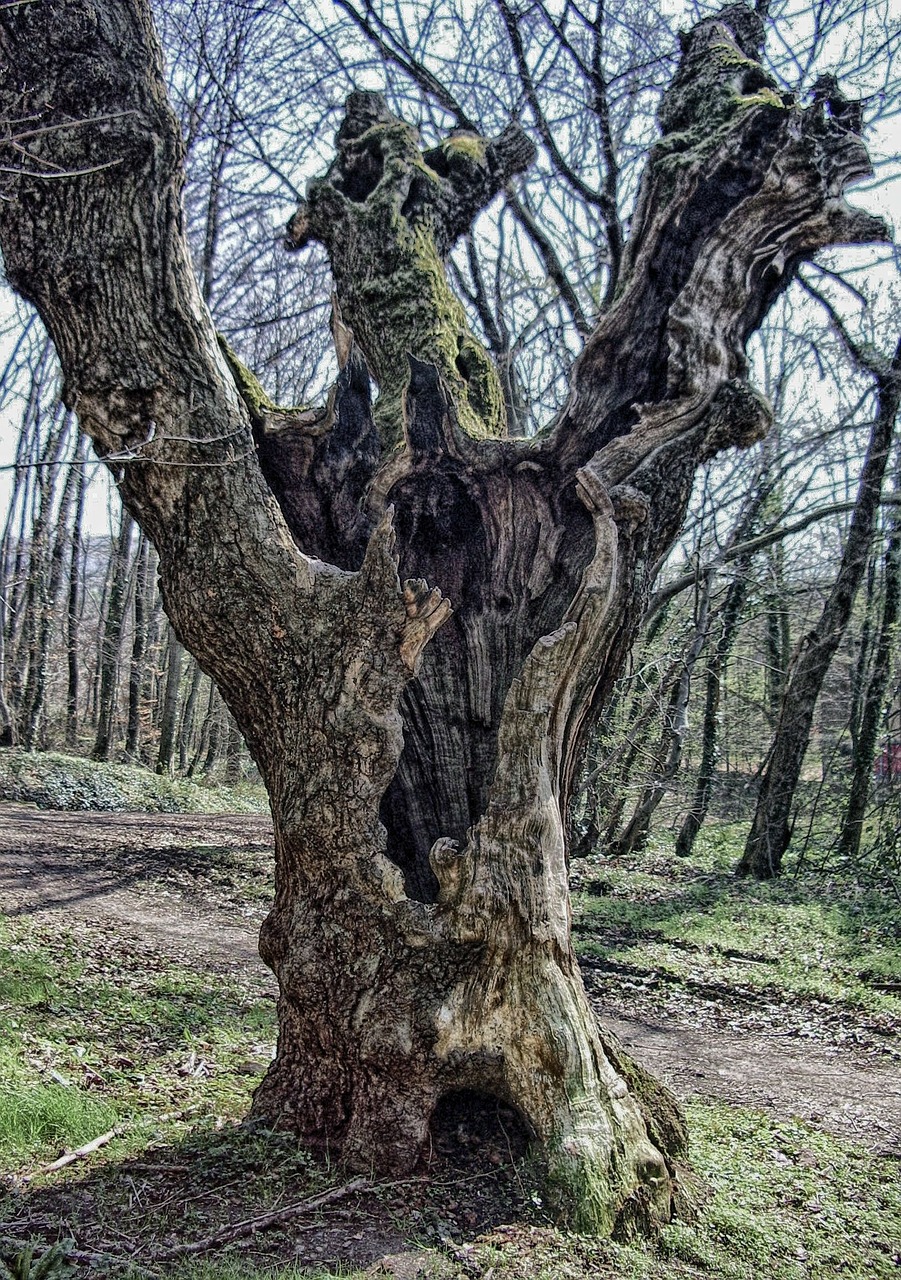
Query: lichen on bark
pixel 387 213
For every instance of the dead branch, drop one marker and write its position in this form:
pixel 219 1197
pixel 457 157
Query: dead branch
pixel 71 1156
pixel 263 1221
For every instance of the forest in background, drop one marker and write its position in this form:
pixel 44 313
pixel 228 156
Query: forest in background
pixel 789 555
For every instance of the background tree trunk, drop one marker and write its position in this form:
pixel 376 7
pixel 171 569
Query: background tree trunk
pixel 771 829
pixel 169 720
pixel 75 597
pixel 675 726
pixel 726 628
pixel 140 633
pixel 111 643
pixel 873 698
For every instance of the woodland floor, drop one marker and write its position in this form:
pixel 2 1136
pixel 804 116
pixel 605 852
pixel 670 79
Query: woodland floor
pixel 131 898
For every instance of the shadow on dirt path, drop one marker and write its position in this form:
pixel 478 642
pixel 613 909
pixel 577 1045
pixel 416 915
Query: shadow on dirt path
pixel 195 887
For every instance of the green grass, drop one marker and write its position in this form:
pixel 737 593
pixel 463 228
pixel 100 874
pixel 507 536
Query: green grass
pixel 38 1117
pixel 54 781
pixel 810 936
pixel 788 1201
pixel 97 1030
pixel 132 1038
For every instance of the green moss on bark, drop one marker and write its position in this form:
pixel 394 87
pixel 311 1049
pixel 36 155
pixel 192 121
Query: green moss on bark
pixel 251 389
pixel 715 87
pixel 376 213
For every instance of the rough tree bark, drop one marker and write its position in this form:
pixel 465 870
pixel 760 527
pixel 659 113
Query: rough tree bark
pixel 421 926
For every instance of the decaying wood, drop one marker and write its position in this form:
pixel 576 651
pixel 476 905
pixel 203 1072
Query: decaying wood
pixel 80 1152
pixel 419 743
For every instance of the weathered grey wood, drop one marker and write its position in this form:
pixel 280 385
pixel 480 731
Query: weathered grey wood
pixel 419 762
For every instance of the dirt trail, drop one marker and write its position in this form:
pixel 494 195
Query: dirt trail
pixel 152 873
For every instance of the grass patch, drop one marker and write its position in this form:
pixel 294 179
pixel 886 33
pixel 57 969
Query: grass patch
pixel 39 1117
pixel 98 1030
pixel 788 1201
pixel 807 936
pixel 54 781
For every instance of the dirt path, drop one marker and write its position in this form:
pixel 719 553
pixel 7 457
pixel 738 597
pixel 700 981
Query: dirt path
pixel 183 883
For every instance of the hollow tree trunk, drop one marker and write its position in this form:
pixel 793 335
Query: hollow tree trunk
pixel 770 832
pixel 421 926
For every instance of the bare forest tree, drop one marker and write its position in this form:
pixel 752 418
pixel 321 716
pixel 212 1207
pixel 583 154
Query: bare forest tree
pixel 421 752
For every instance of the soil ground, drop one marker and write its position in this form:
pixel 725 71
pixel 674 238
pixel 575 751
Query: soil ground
pixel 149 878
pixel 133 868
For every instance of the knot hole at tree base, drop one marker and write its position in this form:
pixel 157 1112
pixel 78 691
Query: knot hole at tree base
pixel 470 1129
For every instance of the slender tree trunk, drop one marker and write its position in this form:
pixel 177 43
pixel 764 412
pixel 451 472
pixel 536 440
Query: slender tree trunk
pixel 620 764
pixel 169 720
pixel 35 693
pixel 205 731
pixel 10 548
pixel 862 668
pixel 111 643
pixel 36 603
pixel 728 621
pixel 873 700
pixel 140 635
pixel 672 741
pixel 186 720
pixel 28 468
pixel 419 764
pixel 771 828
pixel 233 754
pixel 217 732
pixel 75 598
pixel 152 687
pixel 777 635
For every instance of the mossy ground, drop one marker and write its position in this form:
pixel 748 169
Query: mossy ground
pixel 99 1029
pixel 52 780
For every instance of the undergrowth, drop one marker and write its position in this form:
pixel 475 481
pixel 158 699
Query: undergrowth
pixel 811 935
pixel 53 781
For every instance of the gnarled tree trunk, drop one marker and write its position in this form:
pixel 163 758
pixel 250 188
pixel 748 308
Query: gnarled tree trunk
pixel 418 760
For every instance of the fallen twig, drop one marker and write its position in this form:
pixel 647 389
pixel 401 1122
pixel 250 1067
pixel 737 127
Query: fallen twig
pixel 265 1220
pixel 88 1149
